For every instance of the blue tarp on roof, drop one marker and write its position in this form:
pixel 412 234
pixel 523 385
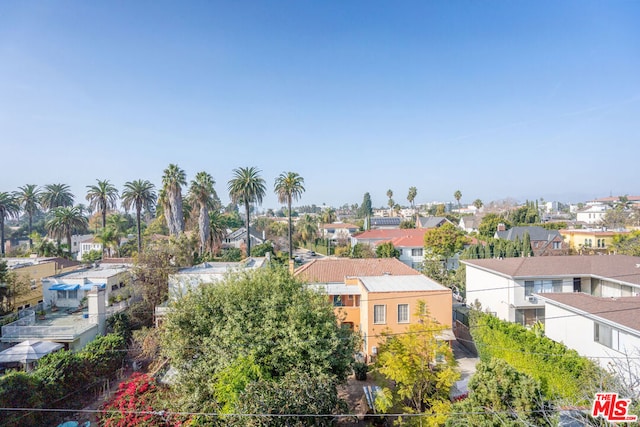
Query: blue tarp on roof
pixel 89 286
pixel 63 287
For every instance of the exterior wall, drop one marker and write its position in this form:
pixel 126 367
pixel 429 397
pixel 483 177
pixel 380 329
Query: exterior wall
pixel 595 240
pixel 577 332
pixel 592 215
pixel 492 291
pixel 86 247
pixel 411 260
pixel 439 304
pixel 114 285
pixel 36 273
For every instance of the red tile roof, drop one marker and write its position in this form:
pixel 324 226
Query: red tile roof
pixel 621 268
pixel 388 234
pixel 621 310
pixel 334 270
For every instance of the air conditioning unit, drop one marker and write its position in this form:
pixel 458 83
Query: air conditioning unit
pixel 532 299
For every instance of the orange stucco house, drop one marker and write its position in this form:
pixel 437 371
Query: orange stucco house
pixel 380 295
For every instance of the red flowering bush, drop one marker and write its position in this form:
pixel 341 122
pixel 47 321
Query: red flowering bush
pixel 135 404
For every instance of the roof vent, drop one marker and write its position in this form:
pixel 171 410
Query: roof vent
pixel 387 273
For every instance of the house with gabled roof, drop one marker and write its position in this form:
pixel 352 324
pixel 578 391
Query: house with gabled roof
pixel 543 242
pixel 338 231
pixel 509 287
pixel 431 221
pixel 373 295
pixel 470 223
pixel 606 329
pixel 238 238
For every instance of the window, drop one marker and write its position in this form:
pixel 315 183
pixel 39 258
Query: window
pixel 379 314
pixel 541 286
pixel 72 294
pixel 602 334
pixel 417 252
pixel 403 313
pixel 556 245
pixel 337 300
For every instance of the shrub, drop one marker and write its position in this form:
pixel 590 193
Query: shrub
pixel 360 369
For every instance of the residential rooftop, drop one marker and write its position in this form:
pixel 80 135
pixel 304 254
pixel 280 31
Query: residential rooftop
pixel 384 283
pixel 622 269
pixel 335 270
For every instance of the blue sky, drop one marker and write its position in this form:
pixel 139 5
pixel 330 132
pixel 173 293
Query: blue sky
pixel 493 98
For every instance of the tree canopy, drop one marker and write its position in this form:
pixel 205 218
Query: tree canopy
pixel 254 327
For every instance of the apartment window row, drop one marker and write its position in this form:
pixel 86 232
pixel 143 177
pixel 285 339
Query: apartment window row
pixel 541 286
pixel 606 335
pixel 380 314
pixel 417 252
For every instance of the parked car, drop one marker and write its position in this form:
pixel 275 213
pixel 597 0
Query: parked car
pixel 312 253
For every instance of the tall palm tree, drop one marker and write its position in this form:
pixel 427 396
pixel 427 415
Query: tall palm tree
pixel 413 192
pixel 141 194
pixel 246 187
pixel 9 208
pixel 202 196
pixel 55 196
pixel 29 199
pixel 289 186
pixel 328 215
pixel 308 228
pixel 172 181
pixel 102 197
pixel 458 196
pixel 217 230
pixel 65 221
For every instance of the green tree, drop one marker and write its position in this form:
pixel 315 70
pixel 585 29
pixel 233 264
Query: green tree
pixel 66 221
pixel 387 250
pixel 141 194
pixel 501 396
pixel 264 315
pixel 56 196
pixel 289 186
pixel 444 241
pixel 9 208
pixel 328 216
pixel 247 187
pixel 478 203
pixel 413 192
pixel 217 230
pixel 407 224
pixel 366 208
pixel 102 197
pixel 362 250
pixel 307 228
pixel 421 367
pixel 172 181
pixel 526 245
pixel 489 225
pixel 203 196
pixel 29 200
pixel 458 196
pixel 627 244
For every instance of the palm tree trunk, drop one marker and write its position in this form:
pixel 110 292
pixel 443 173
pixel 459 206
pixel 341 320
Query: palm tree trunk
pixel 246 207
pixel 203 226
pixel 176 213
pixel 2 233
pixel 104 218
pixel 30 230
pixel 138 209
pixel 290 239
pixel 69 243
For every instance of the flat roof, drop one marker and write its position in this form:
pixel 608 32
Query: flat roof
pixel 419 283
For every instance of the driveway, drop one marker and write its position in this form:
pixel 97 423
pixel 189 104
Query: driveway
pixel 466 366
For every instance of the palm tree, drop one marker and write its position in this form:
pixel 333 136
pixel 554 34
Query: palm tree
pixel 29 199
pixel 477 203
pixel 119 224
pixel 289 186
pixel 109 239
pixel 413 192
pixel 9 208
pixel 102 197
pixel 172 181
pixel 458 196
pixel 141 194
pixel 65 221
pixel 308 228
pixel 217 230
pixel 55 196
pixel 328 216
pixel 246 187
pixel 202 196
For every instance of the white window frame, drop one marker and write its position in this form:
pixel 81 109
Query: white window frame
pixel 404 319
pixel 376 316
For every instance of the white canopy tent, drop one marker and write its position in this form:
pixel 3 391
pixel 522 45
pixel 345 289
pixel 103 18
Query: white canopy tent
pixel 28 352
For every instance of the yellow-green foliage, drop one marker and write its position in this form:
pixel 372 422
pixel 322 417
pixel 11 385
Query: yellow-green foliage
pixel 561 371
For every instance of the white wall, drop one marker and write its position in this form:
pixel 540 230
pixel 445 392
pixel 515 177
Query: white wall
pixel 577 332
pixel 492 291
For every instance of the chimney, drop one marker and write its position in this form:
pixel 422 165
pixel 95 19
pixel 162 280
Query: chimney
pixel 502 227
pixel 97 308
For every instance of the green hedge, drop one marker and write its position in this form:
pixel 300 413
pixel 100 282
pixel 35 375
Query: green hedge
pixel 562 372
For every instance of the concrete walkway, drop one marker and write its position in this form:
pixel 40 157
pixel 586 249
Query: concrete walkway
pixel 466 365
